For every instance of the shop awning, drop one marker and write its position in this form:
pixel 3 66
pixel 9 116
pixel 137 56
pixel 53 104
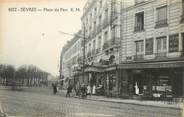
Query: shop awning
pixel 111 68
pixel 94 69
pixel 170 64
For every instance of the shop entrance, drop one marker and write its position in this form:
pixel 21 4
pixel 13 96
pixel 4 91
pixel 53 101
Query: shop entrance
pixel 138 82
pixel 166 83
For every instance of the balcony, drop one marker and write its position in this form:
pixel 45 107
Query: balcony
pixel 138 57
pixel 161 23
pixel 161 55
pixel 106 22
pixel 110 43
pixel 139 28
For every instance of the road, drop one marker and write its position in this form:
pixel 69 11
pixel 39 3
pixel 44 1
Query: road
pixel 35 104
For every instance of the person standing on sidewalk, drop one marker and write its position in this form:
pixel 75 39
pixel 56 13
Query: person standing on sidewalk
pixel 88 90
pixel 54 86
pixel 69 90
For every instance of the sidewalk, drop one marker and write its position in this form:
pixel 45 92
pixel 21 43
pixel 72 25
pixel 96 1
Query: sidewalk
pixel 162 104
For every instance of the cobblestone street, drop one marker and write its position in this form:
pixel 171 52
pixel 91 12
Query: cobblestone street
pixel 34 104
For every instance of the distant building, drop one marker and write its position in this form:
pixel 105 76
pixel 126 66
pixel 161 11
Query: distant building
pixel 101 23
pixel 71 60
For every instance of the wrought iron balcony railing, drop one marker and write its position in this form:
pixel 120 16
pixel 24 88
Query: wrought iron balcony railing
pixel 110 43
pixel 160 55
pixel 139 28
pixel 161 23
pixel 138 57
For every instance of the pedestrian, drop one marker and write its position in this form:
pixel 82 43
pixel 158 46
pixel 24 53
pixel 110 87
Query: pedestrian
pixel 69 90
pixel 54 86
pixel 83 91
pixel 88 90
pixel 94 89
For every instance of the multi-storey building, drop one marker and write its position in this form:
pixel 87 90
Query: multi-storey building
pixel 101 28
pixel 71 59
pixel 152 61
pixel 131 48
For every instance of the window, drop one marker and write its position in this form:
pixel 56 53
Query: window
pixel 183 42
pixel 94 44
pixel 149 46
pixel 139 47
pixel 173 43
pixel 100 3
pixel 94 25
pixel 89 48
pixel 139 21
pixel 161 16
pixel 106 13
pixel 161 44
pixel 182 17
pixel 100 19
pixel 105 36
pixel 183 6
pixel 99 42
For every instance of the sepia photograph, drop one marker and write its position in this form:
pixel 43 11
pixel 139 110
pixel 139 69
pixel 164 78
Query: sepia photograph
pixel 91 58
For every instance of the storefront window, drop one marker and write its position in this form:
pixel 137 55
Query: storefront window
pixel 162 86
pixel 112 81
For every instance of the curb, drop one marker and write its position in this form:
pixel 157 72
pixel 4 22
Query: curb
pixel 176 108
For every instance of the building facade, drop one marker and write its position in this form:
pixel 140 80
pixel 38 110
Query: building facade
pixel 101 27
pixel 152 62
pixel 133 48
pixel 71 60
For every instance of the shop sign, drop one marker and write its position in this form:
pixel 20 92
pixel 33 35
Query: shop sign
pixel 154 65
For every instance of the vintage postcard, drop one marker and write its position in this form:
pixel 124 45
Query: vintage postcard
pixel 91 58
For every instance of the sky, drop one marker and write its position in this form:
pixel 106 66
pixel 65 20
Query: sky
pixel 33 37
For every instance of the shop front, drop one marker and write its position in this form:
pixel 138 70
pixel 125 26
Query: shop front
pixel 111 81
pixel 154 80
pixel 95 79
